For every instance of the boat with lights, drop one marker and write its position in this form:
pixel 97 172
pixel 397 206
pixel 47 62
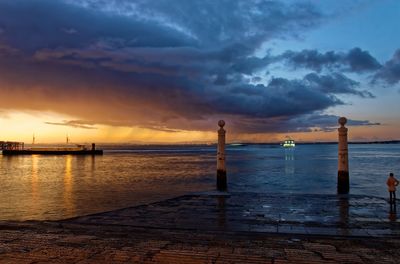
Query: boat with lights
pixel 289 143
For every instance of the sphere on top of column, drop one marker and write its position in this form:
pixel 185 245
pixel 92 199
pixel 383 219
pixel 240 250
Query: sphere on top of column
pixel 342 121
pixel 221 123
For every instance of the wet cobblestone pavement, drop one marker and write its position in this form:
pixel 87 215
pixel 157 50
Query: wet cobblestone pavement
pixel 214 228
pixel 300 214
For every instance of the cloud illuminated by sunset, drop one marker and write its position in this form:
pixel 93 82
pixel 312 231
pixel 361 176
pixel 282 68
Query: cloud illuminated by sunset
pixel 168 70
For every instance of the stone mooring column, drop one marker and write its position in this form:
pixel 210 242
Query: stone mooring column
pixel 221 169
pixel 343 183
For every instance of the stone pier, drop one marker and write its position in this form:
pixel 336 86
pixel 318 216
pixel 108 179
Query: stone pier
pixel 221 168
pixel 343 184
pixel 223 229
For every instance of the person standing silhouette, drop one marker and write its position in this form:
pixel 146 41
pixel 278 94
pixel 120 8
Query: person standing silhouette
pixel 392 182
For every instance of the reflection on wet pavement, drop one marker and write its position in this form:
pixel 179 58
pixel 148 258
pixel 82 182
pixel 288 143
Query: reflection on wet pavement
pixel 253 212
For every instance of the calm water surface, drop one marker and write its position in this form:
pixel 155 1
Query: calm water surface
pixel 57 187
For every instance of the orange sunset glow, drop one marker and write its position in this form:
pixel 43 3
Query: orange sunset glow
pixel 199 131
pixel 162 82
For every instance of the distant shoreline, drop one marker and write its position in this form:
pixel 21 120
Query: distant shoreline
pixel 105 145
pixel 332 142
pixel 320 143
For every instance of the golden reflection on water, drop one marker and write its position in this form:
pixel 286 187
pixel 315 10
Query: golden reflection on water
pixel 42 187
pixel 35 177
pixel 69 204
pixel 34 184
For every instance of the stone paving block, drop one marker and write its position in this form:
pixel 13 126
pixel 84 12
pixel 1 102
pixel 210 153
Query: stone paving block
pixel 220 250
pixel 242 258
pixel 344 258
pixel 247 212
pixel 64 254
pixel 302 261
pixel 273 253
pixel 4 248
pixel 197 229
pixel 320 247
pixel 292 229
pixel 76 239
pixel 280 261
pixel 13 259
pixel 170 256
pixel 300 255
pixel 311 230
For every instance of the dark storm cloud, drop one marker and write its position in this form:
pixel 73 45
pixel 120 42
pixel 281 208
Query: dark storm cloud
pixel 360 61
pixel 355 60
pixel 36 24
pixel 281 97
pixel 221 22
pixel 74 124
pixel 162 129
pixel 301 123
pixel 165 65
pixel 390 73
pixel 336 84
pixel 325 123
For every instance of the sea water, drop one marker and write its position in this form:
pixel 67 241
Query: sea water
pixel 58 187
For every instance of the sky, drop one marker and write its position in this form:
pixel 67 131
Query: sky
pixel 165 71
